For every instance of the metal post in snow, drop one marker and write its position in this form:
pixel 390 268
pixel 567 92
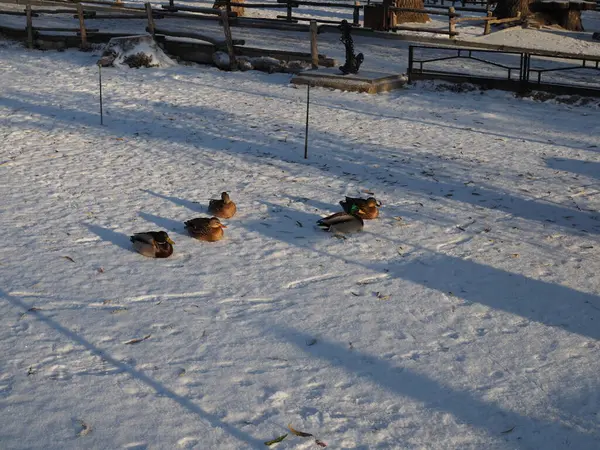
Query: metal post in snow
pixel 306 132
pixel 100 85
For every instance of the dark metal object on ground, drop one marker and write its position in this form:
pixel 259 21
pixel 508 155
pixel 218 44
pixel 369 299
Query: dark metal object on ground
pixel 353 61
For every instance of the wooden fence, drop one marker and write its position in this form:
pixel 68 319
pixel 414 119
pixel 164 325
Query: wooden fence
pixel 286 21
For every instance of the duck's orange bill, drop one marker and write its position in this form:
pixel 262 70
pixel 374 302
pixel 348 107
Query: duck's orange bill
pixel 223 226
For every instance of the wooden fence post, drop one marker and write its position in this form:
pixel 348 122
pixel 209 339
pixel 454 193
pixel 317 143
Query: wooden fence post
pixel 82 30
pixel 487 26
pixel 289 10
pixel 150 18
pixel 228 5
pixel 29 26
pixel 314 51
pixel 228 39
pixel 356 14
pixel 452 22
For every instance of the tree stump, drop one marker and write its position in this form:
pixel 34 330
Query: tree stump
pixel 564 13
pixel 222 4
pixel 406 17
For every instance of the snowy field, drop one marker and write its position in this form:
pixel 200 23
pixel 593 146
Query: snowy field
pixel 466 317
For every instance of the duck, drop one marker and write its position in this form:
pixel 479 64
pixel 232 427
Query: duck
pixel 205 228
pixel 369 206
pixel 343 222
pixel 153 244
pixel 223 208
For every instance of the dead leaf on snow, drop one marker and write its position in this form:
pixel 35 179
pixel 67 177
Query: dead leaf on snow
pixel 85 429
pixel 276 440
pixel 137 340
pixel 298 433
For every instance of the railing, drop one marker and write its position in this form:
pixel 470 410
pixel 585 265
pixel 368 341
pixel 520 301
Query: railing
pixel 513 71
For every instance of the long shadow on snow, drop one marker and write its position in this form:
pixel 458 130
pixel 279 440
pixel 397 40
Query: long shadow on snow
pixel 167 224
pixel 527 209
pixel 550 304
pixel 119 239
pixel 191 205
pixel 138 375
pixel 463 122
pixel 464 405
pixel 587 168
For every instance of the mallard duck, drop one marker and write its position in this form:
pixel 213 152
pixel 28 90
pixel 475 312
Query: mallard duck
pixel 205 229
pixel 343 222
pixel 154 244
pixel 223 208
pixel 369 206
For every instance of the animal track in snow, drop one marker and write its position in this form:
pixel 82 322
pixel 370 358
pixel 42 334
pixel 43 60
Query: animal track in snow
pixel 249 299
pixel 309 280
pixel 454 242
pixel 143 298
pixel 59 372
pixel 372 279
pixel 187 442
pixel 279 398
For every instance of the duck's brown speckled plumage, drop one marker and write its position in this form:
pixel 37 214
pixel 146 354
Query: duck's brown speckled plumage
pixel 205 228
pixel 224 208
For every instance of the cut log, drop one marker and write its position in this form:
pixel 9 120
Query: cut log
pixel 410 16
pixel 238 8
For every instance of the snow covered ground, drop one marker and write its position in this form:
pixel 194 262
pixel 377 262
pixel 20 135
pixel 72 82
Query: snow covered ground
pixel 466 317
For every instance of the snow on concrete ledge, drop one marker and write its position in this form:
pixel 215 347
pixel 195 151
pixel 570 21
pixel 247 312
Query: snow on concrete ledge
pixel 134 52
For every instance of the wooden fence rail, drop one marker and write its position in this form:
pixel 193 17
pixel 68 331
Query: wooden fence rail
pixel 451 14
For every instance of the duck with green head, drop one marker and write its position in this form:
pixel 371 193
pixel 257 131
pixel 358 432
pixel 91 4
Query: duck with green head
pixel 369 206
pixel 154 244
pixel 343 222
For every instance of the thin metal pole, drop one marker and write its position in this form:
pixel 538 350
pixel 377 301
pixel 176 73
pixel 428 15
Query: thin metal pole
pixel 306 132
pixel 100 84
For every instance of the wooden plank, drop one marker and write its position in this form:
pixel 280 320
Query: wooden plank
pixel 507 20
pixel 82 30
pixel 63 30
pixel 270 24
pixel 296 3
pixel 228 39
pixel 210 11
pixel 117 16
pixel 487 27
pixel 198 36
pixel 475 19
pixel 55 11
pixel 424 11
pixel 259 5
pixel 314 50
pixel 308 19
pixel 356 14
pixel 422 30
pixel 16 13
pixel 151 27
pixel 29 26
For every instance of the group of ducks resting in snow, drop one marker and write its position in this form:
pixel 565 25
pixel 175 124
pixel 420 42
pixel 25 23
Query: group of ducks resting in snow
pixel 158 244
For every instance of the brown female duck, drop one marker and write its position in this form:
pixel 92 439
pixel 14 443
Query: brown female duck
pixel 223 208
pixel 205 229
